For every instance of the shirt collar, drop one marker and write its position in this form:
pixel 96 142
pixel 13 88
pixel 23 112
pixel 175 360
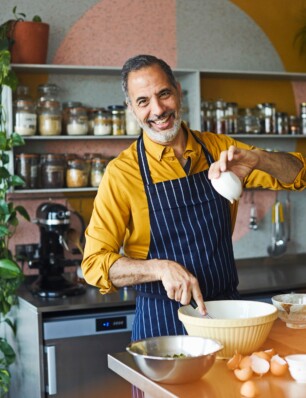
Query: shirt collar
pixel 158 150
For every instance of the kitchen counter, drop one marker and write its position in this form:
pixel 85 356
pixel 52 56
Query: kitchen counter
pixel 220 382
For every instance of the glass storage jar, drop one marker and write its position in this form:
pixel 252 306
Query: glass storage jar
pixel 231 114
pixel 65 110
pixel 98 166
pixel 118 119
pixel 27 167
pixel 131 125
pixel 220 117
pixel 49 118
pixel 77 173
pixel 303 118
pixel 102 122
pixel 267 117
pixel 25 117
pixel 53 168
pixel 77 121
pixel 91 114
pixel 207 116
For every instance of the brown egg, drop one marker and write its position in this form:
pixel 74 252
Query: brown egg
pixel 233 362
pixel 249 389
pixel 262 354
pixel 245 362
pixel 278 366
pixel 243 374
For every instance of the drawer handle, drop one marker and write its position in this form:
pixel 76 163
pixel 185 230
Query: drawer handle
pixel 51 366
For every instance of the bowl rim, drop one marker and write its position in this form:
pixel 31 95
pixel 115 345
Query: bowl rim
pixel 278 300
pixel 219 347
pixel 232 322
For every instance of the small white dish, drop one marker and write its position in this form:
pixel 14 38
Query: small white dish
pixel 228 185
pixel 297 367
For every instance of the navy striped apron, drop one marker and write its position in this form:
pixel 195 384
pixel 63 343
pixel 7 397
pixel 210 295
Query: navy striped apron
pixel 190 223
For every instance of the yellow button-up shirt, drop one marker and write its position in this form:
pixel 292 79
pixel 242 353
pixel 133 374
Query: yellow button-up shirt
pixel 120 223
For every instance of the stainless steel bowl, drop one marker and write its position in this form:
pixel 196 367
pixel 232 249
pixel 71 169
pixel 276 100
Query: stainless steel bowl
pixel 174 359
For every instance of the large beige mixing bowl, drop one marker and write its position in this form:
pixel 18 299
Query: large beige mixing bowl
pixel 240 325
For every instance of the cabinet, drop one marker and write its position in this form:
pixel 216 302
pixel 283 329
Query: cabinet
pixel 100 86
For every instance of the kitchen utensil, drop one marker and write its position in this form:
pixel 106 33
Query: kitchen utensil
pixel 288 216
pixel 174 359
pixel 253 214
pixel 74 237
pixel 291 309
pixel 240 325
pixel 195 306
pixel 278 245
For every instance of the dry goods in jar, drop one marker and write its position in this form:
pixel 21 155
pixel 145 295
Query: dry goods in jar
pixel 27 165
pixel 77 174
pixel 52 170
pixel 50 118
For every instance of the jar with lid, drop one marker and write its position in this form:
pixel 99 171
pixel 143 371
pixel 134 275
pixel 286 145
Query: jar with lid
pixel 294 125
pixel 77 173
pixel 27 168
pixel 49 118
pixel 267 117
pixel 118 119
pixel 248 121
pixel 98 166
pixel 77 121
pixel 103 122
pixel 91 114
pixel 281 123
pixel 231 114
pixel 131 125
pixel 47 92
pixel 303 118
pixel 65 111
pixel 220 117
pixel 207 116
pixel 25 118
pixel 53 168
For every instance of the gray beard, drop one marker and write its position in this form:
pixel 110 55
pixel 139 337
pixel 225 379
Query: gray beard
pixel 163 137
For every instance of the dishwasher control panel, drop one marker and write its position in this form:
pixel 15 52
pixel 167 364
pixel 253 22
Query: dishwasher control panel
pixel 88 325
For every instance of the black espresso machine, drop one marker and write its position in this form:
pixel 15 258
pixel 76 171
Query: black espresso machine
pixel 54 222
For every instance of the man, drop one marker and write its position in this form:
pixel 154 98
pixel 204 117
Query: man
pixel 156 203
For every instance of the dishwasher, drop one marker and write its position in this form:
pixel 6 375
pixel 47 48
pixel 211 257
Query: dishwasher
pixel 75 353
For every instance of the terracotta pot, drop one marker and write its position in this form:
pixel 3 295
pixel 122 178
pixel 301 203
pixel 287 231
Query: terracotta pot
pixel 30 42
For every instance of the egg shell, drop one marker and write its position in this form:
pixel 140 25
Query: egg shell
pixel 259 365
pixel 233 362
pixel 278 366
pixel 228 185
pixel 243 374
pixel 245 362
pixel 249 389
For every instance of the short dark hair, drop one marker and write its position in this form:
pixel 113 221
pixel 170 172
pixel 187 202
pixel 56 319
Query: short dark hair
pixel 143 61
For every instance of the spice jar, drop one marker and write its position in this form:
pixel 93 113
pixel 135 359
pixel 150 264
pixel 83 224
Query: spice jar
pixel 207 116
pixel 91 114
pixel 49 118
pixel 220 117
pixel 267 117
pixel 25 118
pixel 97 170
pixel 77 121
pixel 231 114
pixel 281 123
pixel 118 119
pixel 52 170
pixel 102 122
pixel 131 124
pixel 294 125
pixel 76 174
pixel 65 111
pixel 27 166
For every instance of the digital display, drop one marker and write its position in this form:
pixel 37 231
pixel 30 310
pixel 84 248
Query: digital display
pixel 105 324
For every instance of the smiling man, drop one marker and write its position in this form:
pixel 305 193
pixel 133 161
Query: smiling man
pixel 157 222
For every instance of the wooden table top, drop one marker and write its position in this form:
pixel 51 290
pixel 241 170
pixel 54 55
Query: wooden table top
pixel 220 382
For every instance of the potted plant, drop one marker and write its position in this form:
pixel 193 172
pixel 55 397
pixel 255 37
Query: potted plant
pixel 10 273
pixel 26 40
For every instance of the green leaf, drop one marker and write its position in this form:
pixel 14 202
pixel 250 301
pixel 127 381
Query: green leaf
pixel 16 181
pixel 36 18
pixel 4 173
pixel 23 212
pixel 17 139
pixel 3 140
pixel 8 352
pixel 9 269
pixel 4 231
